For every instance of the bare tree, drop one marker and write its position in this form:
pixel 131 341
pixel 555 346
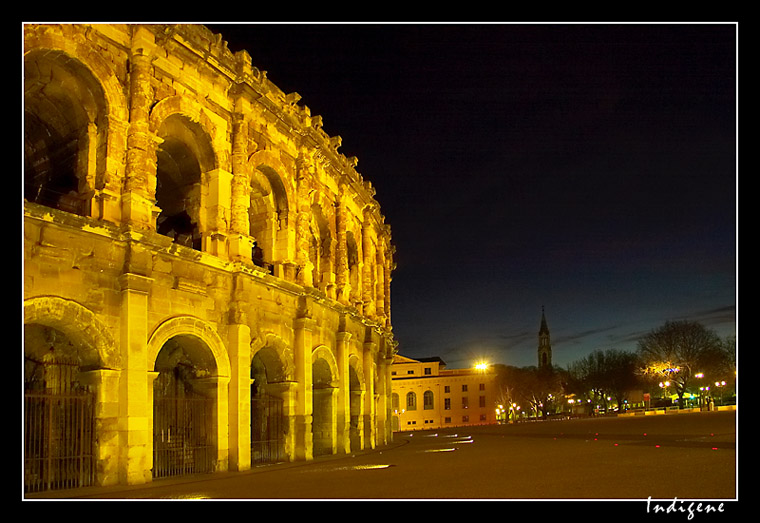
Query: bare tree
pixel 676 352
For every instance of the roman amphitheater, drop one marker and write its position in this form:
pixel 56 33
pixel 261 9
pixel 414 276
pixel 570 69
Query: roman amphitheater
pixel 206 278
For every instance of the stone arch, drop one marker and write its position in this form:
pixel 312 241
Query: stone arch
pixel 354 266
pixel 269 207
pixel 82 52
pixel 184 158
pixel 276 356
pixel 356 391
pixel 321 249
pixel 97 348
pixel 325 383
pixel 324 354
pixel 201 126
pixel 355 363
pixel 70 98
pixel 189 326
pixel 192 369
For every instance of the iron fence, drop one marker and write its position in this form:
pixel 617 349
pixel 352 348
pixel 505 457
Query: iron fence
pixel 58 440
pixel 266 429
pixel 182 442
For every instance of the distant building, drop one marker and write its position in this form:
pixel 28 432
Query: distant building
pixel 544 343
pixel 426 395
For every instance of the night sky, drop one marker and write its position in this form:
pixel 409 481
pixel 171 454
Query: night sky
pixel 590 169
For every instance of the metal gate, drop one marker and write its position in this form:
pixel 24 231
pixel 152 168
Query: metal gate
pixel 182 435
pixel 59 426
pixel 266 429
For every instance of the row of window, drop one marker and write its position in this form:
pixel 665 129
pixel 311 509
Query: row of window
pixel 428 400
pixel 447 420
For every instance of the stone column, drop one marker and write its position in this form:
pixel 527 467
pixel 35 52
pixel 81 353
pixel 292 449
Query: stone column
pixel 344 395
pixel 368 294
pixel 217 205
pixel 343 289
pixel 304 328
pixel 105 385
pixel 370 348
pixel 107 198
pixel 388 276
pixel 303 212
pixel 384 401
pixel 240 393
pixel 288 392
pixel 380 284
pixel 240 241
pixel 135 405
pixel 138 200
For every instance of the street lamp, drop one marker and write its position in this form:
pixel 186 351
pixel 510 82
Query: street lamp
pixel 720 385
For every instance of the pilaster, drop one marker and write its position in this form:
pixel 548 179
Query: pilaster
pixel 135 405
pixel 240 397
pixel 344 396
pixel 303 416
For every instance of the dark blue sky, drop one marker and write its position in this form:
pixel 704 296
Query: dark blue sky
pixel 587 168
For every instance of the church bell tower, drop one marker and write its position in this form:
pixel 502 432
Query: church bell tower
pixel 544 344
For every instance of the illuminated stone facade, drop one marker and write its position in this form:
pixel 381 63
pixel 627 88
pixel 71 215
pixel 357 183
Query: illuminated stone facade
pixel 184 216
pixel 426 395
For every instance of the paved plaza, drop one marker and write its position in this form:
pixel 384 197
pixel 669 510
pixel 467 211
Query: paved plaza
pixel 665 457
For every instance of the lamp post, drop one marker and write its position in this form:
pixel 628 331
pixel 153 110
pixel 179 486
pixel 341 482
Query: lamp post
pixel 720 385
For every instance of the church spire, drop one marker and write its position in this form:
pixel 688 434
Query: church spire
pixel 544 343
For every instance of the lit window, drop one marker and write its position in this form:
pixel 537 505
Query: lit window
pixel 427 400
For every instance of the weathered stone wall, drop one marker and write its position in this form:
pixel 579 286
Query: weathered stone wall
pixel 172 192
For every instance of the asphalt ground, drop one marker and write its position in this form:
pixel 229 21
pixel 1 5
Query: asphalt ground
pixel 663 457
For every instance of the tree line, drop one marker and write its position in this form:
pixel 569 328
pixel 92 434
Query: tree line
pixel 680 357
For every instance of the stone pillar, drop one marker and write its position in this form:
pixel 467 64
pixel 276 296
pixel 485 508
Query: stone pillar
pixel 240 241
pixel 240 395
pixel 107 199
pixel 384 400
pixel 368 294
pixel 303 213
pixel 380 284
pixel 344 394
pixel 217 205
pixel 135 404
pixel 217 388
pixel 370 348
pixel 388 271
pixel 105 385
pixel 138 200
pixel 288 391
pixel 304 328
pixel 343 285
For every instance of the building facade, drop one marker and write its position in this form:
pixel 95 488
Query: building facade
pixel 426 395
pixel 206 277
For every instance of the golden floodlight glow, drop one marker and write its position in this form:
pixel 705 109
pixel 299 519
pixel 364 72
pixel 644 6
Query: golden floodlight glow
pixel 481 366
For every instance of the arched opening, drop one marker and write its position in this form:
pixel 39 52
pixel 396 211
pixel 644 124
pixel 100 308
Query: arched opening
pixel 64 107
pixel 352 252
pixel 356 399
pixel 59 411
pixel 323 409
pixel 321 249
pixel 268 217
pixel 184 408
pixel 178 180
pixel 267 416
